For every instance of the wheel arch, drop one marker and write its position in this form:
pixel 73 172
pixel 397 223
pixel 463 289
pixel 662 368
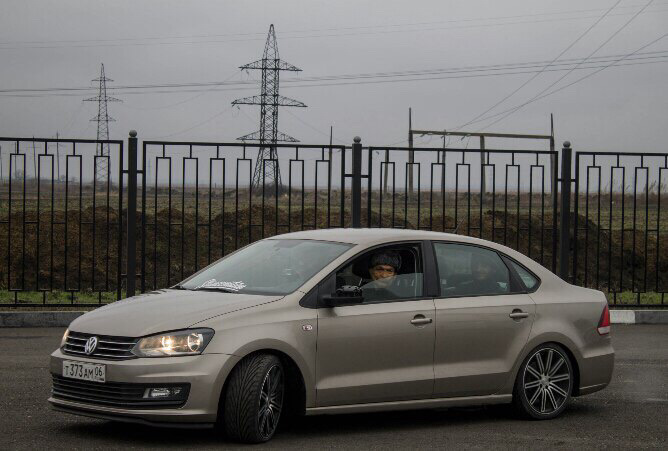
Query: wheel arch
pixel 296 386
pixel 554 338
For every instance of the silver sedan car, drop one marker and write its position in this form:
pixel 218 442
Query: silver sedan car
pixel 338 321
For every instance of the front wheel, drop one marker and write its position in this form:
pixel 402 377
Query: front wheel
pixel 254 399
pixel 544 383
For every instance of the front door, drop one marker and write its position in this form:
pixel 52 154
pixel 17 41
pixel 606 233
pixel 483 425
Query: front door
pixel 382 349
pixel 483 320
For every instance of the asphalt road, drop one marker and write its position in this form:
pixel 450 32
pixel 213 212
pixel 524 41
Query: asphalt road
pixel 631 413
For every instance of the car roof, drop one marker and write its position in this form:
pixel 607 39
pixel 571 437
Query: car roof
pixel 371 236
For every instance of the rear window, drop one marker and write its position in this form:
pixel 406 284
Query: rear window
pixel 528 280
pixel 470 271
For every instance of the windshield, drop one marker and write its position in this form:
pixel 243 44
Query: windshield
pixel 268 267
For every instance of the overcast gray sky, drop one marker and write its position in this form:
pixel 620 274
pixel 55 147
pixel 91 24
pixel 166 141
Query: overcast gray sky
pixel 60 44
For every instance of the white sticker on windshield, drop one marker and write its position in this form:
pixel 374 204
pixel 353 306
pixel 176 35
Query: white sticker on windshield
pixel 232 286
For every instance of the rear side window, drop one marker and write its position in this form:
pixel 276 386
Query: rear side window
pixel 528 279
pixel 470 271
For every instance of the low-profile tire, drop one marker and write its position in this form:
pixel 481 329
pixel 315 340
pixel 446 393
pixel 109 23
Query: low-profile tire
pixel 544 383
pixel 254 399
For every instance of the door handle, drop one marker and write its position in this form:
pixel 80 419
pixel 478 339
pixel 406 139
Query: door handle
pixel 420 320
pixel 518 314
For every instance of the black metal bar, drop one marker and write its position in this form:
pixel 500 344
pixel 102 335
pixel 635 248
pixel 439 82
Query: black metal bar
pixel 208 229
pixel 80 246
pixel 39 186
pixel 564 241
pixel 658 227
pixel 342 193
pixel 51 257
pixel 586 223
pixel 93 260
pixel 598 233
pixel 369 177
pixel 621 238
pixel 303 189
pixel 357 183
pixel 142 251
pixel 131 264
pixel 576 209
pixel 169 224
pixel 119 250
pixel 329 188
pixel 554 171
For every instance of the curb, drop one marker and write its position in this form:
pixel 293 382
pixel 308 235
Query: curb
pixel 638 316
pixel 38 319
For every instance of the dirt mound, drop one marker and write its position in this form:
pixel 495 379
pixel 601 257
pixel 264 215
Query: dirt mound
pixel 81 251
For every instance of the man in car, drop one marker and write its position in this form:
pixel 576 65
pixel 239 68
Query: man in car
pixel 383 267
pixel 485 277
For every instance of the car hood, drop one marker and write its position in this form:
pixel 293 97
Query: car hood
pixel 163 310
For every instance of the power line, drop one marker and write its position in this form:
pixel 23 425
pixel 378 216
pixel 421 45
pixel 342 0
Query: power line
pixel 577 65
pixel 189 99
pixel 422 28
pixel 513 109
pixel 529 64
pixel 534 76
pixel 198 124
pixel 472 71
pixel 312 127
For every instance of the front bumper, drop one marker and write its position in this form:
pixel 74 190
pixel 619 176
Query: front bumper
pixel 205 373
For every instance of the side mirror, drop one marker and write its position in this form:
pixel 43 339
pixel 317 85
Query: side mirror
pixel 346 295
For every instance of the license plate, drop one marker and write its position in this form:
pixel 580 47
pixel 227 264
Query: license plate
pixel 85 371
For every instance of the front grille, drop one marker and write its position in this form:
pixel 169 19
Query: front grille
pixel 114 394
pixel 108 347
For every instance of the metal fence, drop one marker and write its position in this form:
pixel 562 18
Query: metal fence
pixel 506 196
pixel 197 204
pixel 620 242
pixel 178 206
pixel 60 223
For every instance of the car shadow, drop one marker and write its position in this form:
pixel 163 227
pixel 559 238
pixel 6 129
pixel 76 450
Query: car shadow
pixel 311 427
pixel 304 427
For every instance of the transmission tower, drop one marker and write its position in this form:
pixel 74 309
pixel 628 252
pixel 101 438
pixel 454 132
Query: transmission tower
pixel 269 101
pixel 102 119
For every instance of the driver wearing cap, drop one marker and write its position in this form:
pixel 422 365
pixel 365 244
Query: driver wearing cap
pixel 383 267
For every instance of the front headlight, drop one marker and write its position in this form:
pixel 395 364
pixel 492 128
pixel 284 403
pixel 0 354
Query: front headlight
pixel 182 342
pixel 64 339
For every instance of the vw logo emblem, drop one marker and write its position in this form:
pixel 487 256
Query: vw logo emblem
pixel 90 346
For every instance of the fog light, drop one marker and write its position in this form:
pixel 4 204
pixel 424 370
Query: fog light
pixel 163 392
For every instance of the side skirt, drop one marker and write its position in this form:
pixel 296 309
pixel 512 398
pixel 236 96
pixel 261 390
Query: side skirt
pixel 411 405
pixel 591 389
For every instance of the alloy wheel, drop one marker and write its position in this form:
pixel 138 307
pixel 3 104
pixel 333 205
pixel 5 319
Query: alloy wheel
pixel 271 401
pixel 547 381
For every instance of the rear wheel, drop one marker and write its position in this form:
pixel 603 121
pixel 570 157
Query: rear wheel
pixel 254 399
pixel 544 383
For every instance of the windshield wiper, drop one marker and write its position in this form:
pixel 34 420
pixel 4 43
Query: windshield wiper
pixel 221 289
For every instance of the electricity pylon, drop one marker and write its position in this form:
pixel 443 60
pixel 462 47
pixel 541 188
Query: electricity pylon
pixel 102 119
pixel 269 100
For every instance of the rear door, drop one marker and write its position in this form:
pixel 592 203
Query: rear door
pixel 483 321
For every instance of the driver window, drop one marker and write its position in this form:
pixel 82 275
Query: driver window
pixel 386 273
pixel 470 271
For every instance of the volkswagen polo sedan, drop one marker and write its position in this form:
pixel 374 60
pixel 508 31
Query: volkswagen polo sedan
pixel 338 321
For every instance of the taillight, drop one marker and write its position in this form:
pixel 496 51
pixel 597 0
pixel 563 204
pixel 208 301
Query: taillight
pixel 604 323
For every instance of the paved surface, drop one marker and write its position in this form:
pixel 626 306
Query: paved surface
pixel 631 413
